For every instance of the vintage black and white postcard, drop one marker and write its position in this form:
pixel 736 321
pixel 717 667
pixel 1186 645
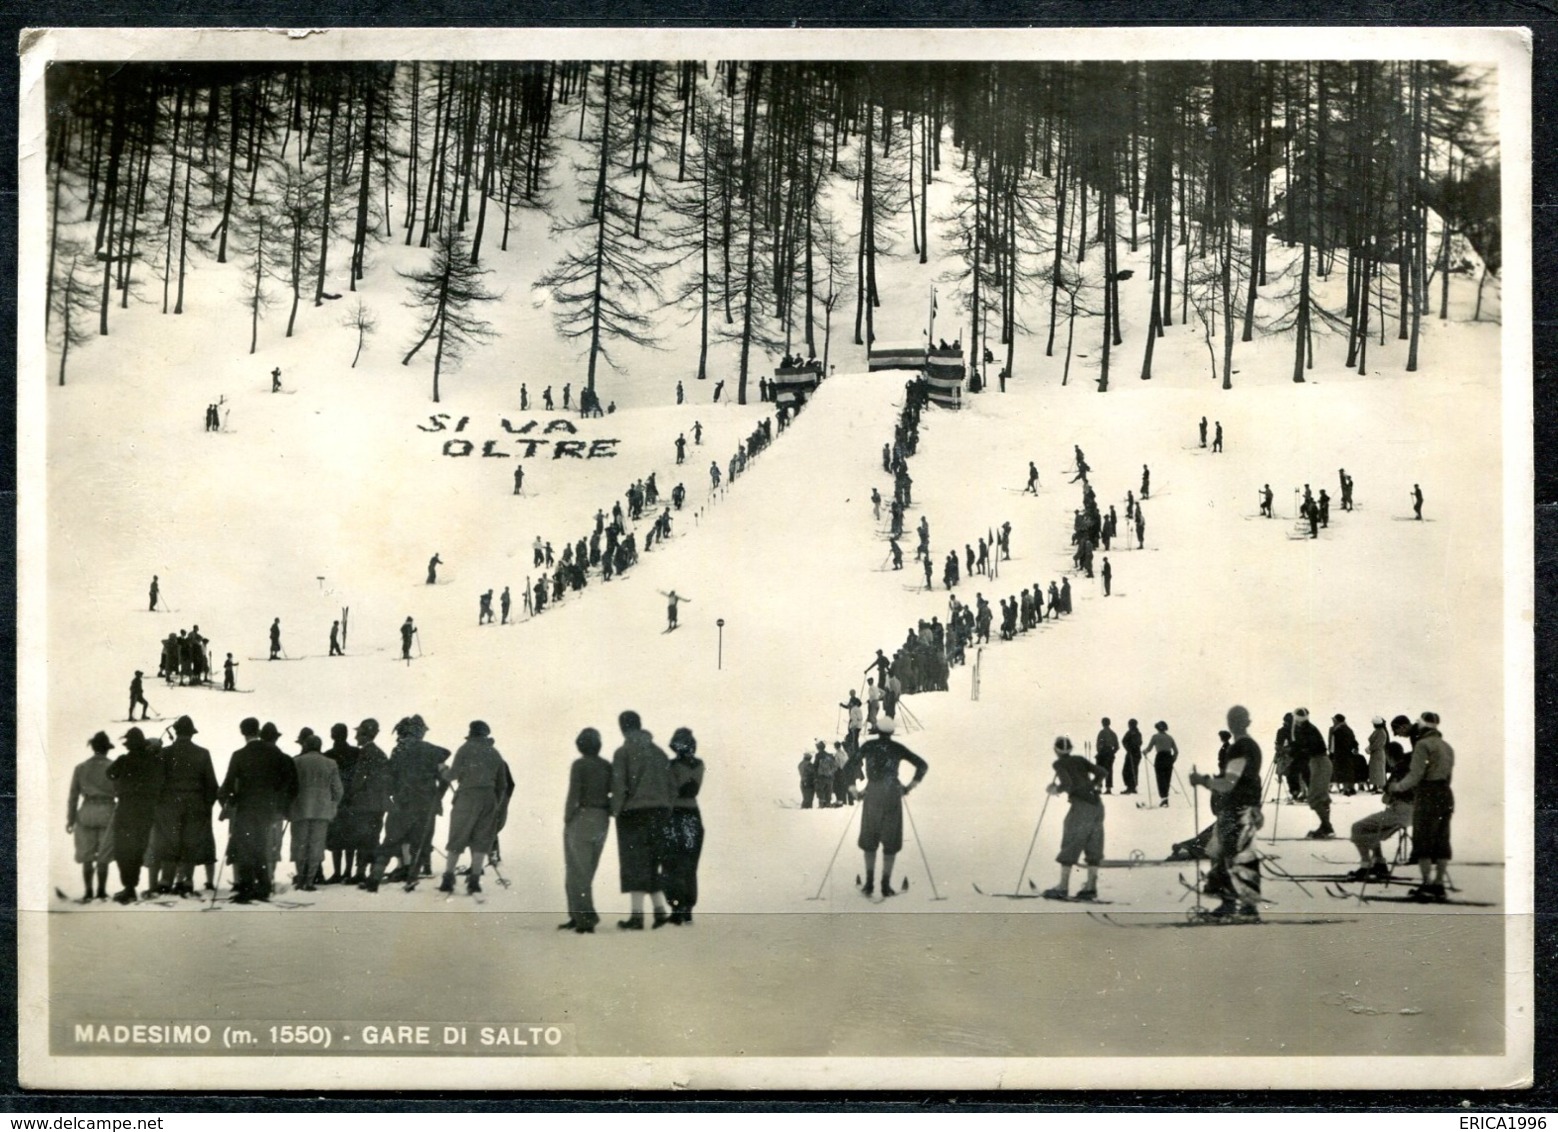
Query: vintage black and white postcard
pixel 801 559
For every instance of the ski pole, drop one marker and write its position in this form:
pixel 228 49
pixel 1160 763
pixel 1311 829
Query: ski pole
pixel 217 886
pixel 921 846
pixel 1017 888
pixel 1195 809
pixel 849 821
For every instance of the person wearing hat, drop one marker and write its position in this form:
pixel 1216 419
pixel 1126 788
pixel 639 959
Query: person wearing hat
pixel 318 798
pixel 184 836
pixel 1378 769
pixel 137 777
pixel 364 804
pixel 1433 765
pixel 256 792
pixel 416 787
pixel 271 734
pixel 881 818
pixel 1083 831
pixel 1236 789
pixel 89 816
pixel 1309 750
pixel 138 696
pixel 641 803
pixel 808 772
pixel 684 846
pixel 1164 751
pixel 484 785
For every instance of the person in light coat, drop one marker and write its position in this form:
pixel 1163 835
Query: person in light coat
pixel 319 794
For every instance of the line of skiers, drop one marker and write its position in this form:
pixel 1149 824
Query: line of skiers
pixel 151 809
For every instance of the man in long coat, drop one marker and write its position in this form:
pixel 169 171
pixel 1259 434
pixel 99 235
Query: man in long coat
pixel 258 789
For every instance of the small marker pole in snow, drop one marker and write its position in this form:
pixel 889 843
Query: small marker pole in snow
pixel 849 821
pixel 921 846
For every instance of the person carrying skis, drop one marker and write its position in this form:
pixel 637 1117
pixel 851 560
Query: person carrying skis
pixel 1236 864
pixel 1082 835
pixel 881 819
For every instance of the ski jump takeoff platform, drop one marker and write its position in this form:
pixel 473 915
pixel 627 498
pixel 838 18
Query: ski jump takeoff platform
pixel 794 384
pixel 943 370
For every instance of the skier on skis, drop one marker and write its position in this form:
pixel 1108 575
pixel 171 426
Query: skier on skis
pixel 672 600
pixel 897 552
pixel 1164 751
pixel 154 592
pixel 433 564
pixel 1082 835
pixel 138 696
pixel 1132 743
pixel 1033 479
pixel 408 630
pixel 1236 869
pixel 519 478
pixel 275 638
pixel 1146 481
pixel 881 820
pixel 1265 501
pixel 1108 745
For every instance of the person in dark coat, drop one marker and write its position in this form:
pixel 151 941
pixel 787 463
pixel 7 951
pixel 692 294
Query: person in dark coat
pixel 366 801
pixel 338 835
pixel 138 778
pixel 641 798
pixel 184 835
pixel 1108 746
pixel 807 769
pixel 1417 502
pixel 258 789
pixel 1132 743
pixel 408 630
pixel 1082 835
pixel 586 819
pixel 1108 576
pixel 881 819
pixel 1309 749
pixel 89 816
pixel 416 788
pixel 684 845
pixel 484 786
pixel 1344 755
pixel 1146 482
pixel 138 696
pixel 1286 766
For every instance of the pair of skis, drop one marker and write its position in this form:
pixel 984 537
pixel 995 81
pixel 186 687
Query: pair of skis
pixel 1036 894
